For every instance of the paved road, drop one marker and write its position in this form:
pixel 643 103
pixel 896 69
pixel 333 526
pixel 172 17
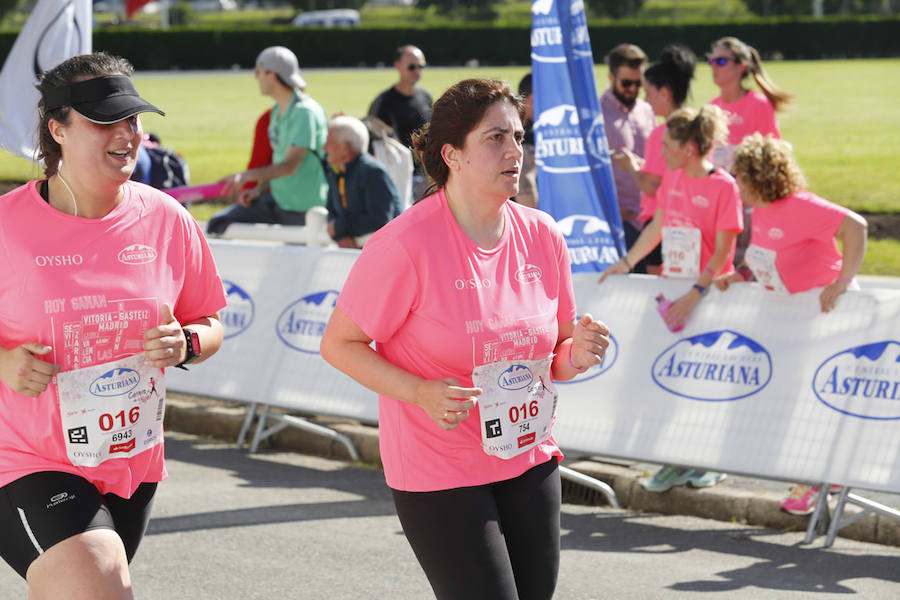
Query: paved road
pixel 228 525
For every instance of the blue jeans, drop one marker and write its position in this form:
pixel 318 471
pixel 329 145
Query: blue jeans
pixel 263 210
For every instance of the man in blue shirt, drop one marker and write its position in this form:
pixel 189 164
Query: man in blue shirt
pixel 362 197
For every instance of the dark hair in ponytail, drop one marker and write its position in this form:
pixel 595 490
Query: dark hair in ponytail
pixel 674 70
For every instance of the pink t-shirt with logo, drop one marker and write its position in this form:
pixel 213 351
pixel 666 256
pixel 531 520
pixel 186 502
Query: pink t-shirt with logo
pixel 748 115
pixel 801 229
pixel 91 288
pixel 437 305
pixel 655 164
pixel 710 204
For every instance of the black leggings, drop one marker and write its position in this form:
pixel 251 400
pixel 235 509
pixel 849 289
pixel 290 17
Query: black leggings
pixel 45 508
pixel 498 541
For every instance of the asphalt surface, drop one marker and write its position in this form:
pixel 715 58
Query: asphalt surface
pixel 230 525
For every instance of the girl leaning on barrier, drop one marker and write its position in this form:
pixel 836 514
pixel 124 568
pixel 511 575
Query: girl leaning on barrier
pixel 666 86
pixel 793 247
pixel 98 275
pixel 698 217
pixel 469 299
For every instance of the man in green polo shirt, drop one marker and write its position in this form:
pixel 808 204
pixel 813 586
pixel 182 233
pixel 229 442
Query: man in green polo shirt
pixel 298 127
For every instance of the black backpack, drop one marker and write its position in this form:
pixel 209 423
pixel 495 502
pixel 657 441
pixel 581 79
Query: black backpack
pixel 168 169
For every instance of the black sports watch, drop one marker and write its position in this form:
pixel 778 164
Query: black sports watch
pixel 192 353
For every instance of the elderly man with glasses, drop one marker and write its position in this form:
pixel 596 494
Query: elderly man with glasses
pixel 405 106
pixel 628 121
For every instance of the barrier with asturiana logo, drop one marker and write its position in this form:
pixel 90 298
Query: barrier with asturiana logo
pixel 756 383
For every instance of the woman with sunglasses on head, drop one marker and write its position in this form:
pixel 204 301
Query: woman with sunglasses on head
pixel 105 282
pixel 793 247
pixel 468 342
pixel 666 85
pixel 697 218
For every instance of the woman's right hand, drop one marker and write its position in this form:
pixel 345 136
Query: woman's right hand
pixel 23 372
pixel 618 268
pixel 446 402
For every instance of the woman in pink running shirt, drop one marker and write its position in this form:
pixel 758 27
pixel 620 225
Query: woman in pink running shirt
pixel 103 282
pixel 793 247
pixel 666 86
pixel 468 297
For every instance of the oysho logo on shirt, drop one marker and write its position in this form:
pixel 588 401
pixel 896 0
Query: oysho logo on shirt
pixel 515 377
pixel 59 260
pixel 115 383
pixel 137 254
pixel 775 233
pixel 471 284
pixel 700 201
pixel 528 274
pixel 862 382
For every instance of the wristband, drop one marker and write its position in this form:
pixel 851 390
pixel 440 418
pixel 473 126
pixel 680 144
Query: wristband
pixel 571 364
pixel 625 260
pixel 847 280
pixel 699 288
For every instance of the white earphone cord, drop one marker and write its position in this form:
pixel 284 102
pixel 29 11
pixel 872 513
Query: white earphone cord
pixel 75 204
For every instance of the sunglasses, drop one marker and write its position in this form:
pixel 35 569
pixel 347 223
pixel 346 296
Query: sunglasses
pixel 627 83
pixel 414 66
pixel 719 61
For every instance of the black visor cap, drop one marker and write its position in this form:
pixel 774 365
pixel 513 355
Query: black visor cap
pixel 104 100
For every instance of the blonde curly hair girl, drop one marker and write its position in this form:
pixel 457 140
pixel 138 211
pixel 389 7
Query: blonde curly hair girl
pixel 767 166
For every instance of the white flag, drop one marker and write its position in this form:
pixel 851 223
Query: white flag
pixel 55 31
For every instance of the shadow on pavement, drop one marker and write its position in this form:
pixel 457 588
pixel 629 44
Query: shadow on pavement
pixel 780 566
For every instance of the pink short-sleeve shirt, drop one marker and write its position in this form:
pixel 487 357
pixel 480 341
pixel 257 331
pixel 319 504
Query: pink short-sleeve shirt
pixel 752 113
pixel 437 306
pixel 800 229
pixel 90 289
pixel 654 164
pixel 710 204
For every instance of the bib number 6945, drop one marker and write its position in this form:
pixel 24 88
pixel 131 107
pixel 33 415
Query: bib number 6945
pixel 108 421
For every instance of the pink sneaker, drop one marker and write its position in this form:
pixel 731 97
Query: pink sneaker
pixel 801 500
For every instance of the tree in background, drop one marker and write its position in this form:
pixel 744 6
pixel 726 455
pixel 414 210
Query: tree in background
pixel 7 6
pixel 615 9
pixel 475 9
pixel 326 4
pixel 767 8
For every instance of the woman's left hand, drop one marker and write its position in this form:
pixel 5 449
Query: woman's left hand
pixel 681 308
pixel 590 339
pixel 830 294
pixel 165 346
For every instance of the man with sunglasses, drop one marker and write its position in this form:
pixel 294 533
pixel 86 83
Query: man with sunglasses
pixel 628 121
pixel 405 106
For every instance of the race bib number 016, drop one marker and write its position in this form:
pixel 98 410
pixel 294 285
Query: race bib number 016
pixel 111 410
pixel 681 252
pixel 518 406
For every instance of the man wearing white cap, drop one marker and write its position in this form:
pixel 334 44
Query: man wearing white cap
pixel 298 128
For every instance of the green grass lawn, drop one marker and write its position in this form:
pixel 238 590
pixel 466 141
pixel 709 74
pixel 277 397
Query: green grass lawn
pixel 843 123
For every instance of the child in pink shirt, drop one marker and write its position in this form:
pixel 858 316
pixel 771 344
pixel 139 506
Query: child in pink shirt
pixel 698 216
pixel 793 247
